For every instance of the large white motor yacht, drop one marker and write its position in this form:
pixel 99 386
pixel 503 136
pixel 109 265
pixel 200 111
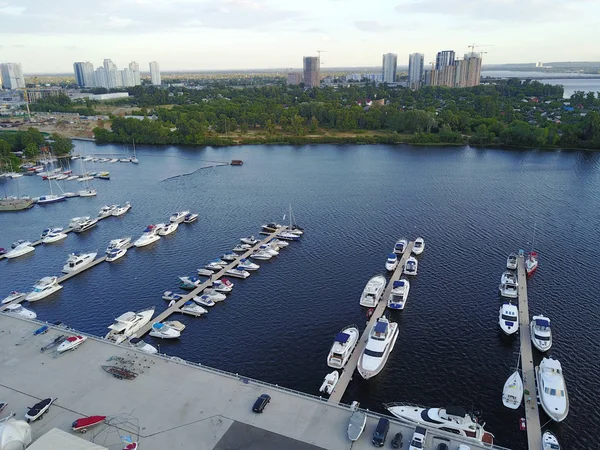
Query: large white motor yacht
pixel 452 418
pixel 391 263
pixel 511 261
pixel 509 318
pixel 121 209
pixel 128 324
pixel 342 347
pixel 77 261
pixel 541 334
pixel 85 225
pixel 411 266
pixel 373 291
pixel 399 294
pixel 19 250
pixel 115 253
pixel 18 310
pixel 118 243
pixel 552 389
pixel 380 343
pixel 54 235
pixel 418 246
pixel 400 246
pixel 75 221
pixel 178 217
pixel 509 285
pixel 43 288
pixel 148 237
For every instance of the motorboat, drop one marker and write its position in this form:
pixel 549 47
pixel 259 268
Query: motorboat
pixel 14 295
pixel 106 210
pixel 85 225
pixel 229 256
pixel 261 255
pixel 214 295
pixel 279 243
pixel 204 300
pixel 222 285
pixel 71 194
pixel 175 324
pixel 148 237
pixel 121 209
pixel 140 345
pixel 512 394
pixel 118 243
pixel 329 383
pixel 43 288
pixel 178 217
pixel 127 324
pixel 541 334
pixel 391 262
pixel 411 265
pixel 246 264
pixel 14 434
pixel 552 390
pixel 400 246
pixel 549 441
pixel 89 192
pixel 343 346
pixel 160 330
pixel 170 295
pixel 356 426
pixel 83 424
pixel 115 253
pixel 189 218
pixel 373 291
pixel 75 221
pixel 18 310
pixel 38 410
pixel 398 294
pixel 205 272
pixel 418 246
pixel 54 235
pixel 237 273
pixel 168 229
pixel 508 283
pixel 380 343
pixel 78 261
pixel 103 175
pixel 511 261
pixel 288 236
pixel 113 160
pixel 190 282
pixel 531 263
pixel 72 177
pixel 509 318
pixel 453 419
pixel 271 249
pixel 22 249
pixel 158 227
pixel 251 240
pixel 194 308
pixel 51 198
pixel 47 231
pixel 17 243
pixel 213 265
pixel 242 247
pixel 271 227
pixel 125 160
pixel 71 343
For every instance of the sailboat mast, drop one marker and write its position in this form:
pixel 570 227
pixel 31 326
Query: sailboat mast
pixel 533 239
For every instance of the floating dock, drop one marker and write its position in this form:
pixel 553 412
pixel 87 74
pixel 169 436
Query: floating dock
pixel 346 377
pixel 532 415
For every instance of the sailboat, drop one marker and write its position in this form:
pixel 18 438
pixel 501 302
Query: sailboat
pixel 89 191
pixel 52 197
pixel 293 232
pixel 531 263
pixel 134 159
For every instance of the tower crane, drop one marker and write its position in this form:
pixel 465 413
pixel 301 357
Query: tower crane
pixel 319 52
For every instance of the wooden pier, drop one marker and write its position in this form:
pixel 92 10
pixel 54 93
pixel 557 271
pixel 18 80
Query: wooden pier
pixel 532 416
pixel 346 376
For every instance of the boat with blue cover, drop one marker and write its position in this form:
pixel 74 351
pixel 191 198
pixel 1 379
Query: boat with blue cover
pixel 398 294
pixel 400 246
pixel 509 318
pixel 411 265
pixel 541 333
pixel 343 346
pixel 163 331
pixel 391 263
pixel 380 344
pixel 190 282
pixel 170 295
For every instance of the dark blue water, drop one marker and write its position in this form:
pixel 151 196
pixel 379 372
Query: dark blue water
pixel 472 207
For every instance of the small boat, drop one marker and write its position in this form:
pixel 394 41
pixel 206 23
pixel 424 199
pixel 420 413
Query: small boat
pixel 398 294
pixel 190 282
pixel 75 221
pixel 229 257
pixel 36 411
pixel 237 273
pixel 43 288
pixel 175 324
pixel 261 255
pixel 549 441
pixel 120 210
pixel 19 250
pixel 418 246
pixel 356 426
pixel 168 229
pixel 192 307
pixel 51 198
pixel 391 263
pixel 54 235
pixel 89 192
pixel 127 324
pixel 160 330
pixel 509 286
pixel 288 236
pixel 62 177
pixel 47 231
pixel 113 160
pixel 271 227
pixel 213 265
pixel 106 210
pixel 373 291
pixel 204 300
pixel 411 265
pixel 552 390
pixel 178 217
pixel 214 295
pixel 56 341
pixel 279 243
pixel 71 343
pixel 541 334
pixel 531 263
pixel 189 218
pixel 511 261
pixel 343 346
pixel 512 394
pixel 329 383
pixel 400 246
pixel 223 285
pixel 148 237
pixel 72 177
pixel 142 346
pixel 205 272
pixel 85 225
pixel 124 160
pixel 18 310
pixel 509 318
pixel 103 175
pixel 115 253
pixel 251 240
pixel 78 261
pixel 380 344
pixel 170 295
pixel 246 264
pixel 270 249
pixel 71 194
pixel 236 162
pixel 242 247
pixel 118 243
pixel 14 295
pixel 3 250
pixel 83 424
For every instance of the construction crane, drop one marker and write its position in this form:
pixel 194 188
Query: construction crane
pixel 319 52
pixel 474 46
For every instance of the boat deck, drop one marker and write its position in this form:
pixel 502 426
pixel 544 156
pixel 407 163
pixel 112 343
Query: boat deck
pixel 346 376
pixel 532 416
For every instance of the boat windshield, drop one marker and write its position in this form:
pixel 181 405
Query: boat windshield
pixel 554 392
pixel 554 446
pixel 541 338
pixel 509 318
pixel 372 353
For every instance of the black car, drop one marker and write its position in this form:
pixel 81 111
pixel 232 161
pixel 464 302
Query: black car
pixel 261 402
pixel 442 446
pixel 397 441
pixel 380 434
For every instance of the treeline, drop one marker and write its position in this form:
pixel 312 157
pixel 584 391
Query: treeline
pixel 31 143
pixel 62 103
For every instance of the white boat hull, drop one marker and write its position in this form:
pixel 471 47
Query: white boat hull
pixel 512 394
pixel 144 241
pixel 365 366
pixel 35 296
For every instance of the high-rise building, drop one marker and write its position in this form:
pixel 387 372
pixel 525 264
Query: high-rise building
pixel 415 70
pixel 444 58
pixel 294 78
pixel 473 69
pixel 112 74
pixel 312 71
pixel 154 73
pixel 84 74
pixel 12 76
pixel 135 70
pixel 101 77
pixel 127 79
pixel 389 66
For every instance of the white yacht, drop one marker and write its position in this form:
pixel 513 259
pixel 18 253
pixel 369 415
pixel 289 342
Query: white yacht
pixel 19 250
pixel 329 383
pixel 190 282
pixel 512 394
pixel 541 334
pixel 85 225
pixel 391 262
pixel 380 343
pixel 106 210
pixel 249 240
pixel 75 221
pixel 204 300
pixel 270 249
pixel 89 192
pixel 279 243
pixel 213 295
pixel 168 229
pixel 229 257
pixel 43 288
pixel 452 418
pixel 288 236
pixel 139 344
pixel 418 246
pixel 77 261
pixel 343 345
pixel 373 291
pixel 400 246
pixel 509 318
pixel 160 330
pixel 271 227
pixel 552 390
pixel 261 255
pixel 549 441
pixel 411 266
pixel 191 217
pixel 222 285
pixel 246 264
pixel 399 294
pixel 205 272
pixel 47 231
pixel 148 237
pixel 237 273
pixel 113 160
pixel 242 248
pixel 509 285
pixel 120 210
pixel 54 235
pixel 193 308
pixel 115 253
pixel 178 217
pixel 14 295
pixel 118 243
pixel 127 324
pixel 18 310
pixel 511 261
pixel 213 265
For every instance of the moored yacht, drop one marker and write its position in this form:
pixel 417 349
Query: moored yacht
pixel 178 217
pixel 380 343
pixel 509 285
pixel 411 265
pixel 168 229
pixel 193 308
pixel 89 192
pixel 391 262
pixel 552 390
pixel 343 345
pixel 115 253
pixel 118 243
pixel 222 285
pixel 511 261
pixel 541 334
pixel 373 291
pixel 270 249
pixel 47 231
pixel 163 331
pixel 204 300
pixel 251 240
pixel 191 217
pixel 214 295
pixel 77 261
pixel 399 294
pixel 18 310
pixel 509 318
pixel 261 255
pixel 127 324
pixel 21 249
pixel 242 247
pixel 237 273
pixel 190 283
pixel 214 265
pixel 418 246
pixel 43 288
pixel 121 209
pixel 279 243
pixel 246 264
pixel 531 263
pixel 54 235
pixel 271 227
pixel 139 344
pixel 229 256
pixel 549 441
pixel 85 225
pixel 75 221
pixel 400 246
pixel 14 295
pixel 148 237
pixel 51 198
pixel 329 383
pixel 288 236
pixel 512 394
pixel 106 210
pixel 205 272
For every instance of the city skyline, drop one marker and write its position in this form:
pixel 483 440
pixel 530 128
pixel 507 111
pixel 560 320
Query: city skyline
pixel 251 34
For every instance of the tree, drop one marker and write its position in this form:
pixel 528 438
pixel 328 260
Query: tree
pixel 62 145
pixel 314 125
pixel 4 148
pixel 33 136
pixel 31 151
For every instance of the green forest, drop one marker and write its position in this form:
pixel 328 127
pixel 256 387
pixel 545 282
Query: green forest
pixel 30 143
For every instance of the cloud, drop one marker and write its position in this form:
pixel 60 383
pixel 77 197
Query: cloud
pixel 372 26
pixel 6 9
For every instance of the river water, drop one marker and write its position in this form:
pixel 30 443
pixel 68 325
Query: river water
pixel 472 206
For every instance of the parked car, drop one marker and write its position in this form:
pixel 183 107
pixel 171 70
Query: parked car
pixel 397 441
pixel 261 402
pixel 380 434
pixel 418 439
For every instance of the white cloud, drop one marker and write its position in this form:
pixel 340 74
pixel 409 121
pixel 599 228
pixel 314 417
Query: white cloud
pixel 372 26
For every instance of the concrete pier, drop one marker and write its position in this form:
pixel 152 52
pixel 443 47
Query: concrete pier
pixel 532 416
pixel 346 377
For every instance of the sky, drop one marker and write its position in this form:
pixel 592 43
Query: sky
pixel 47 37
